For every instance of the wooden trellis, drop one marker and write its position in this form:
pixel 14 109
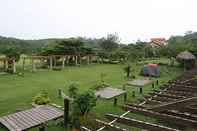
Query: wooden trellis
pixel 173 104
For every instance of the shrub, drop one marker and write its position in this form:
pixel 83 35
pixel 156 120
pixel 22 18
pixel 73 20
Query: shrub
pixel 72 90
pixel 41 98
pixel 85 102
pixel 100 85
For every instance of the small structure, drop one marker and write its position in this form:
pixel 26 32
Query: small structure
pixel 151 70
pixel 31 118
pixel 109 93
pixel 9 64
pixel 186 55
pixel 187 59
pixel 158 42
pixel 139 82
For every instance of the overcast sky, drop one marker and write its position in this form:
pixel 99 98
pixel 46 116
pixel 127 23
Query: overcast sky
pixel 131 19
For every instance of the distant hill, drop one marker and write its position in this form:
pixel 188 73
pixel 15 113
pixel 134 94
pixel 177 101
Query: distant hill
pixel 34 46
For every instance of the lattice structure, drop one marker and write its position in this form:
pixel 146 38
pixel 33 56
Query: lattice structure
pixel 175 104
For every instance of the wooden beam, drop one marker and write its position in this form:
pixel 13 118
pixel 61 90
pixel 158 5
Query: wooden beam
pixel 66 112
pixel 174 105
pixel 180 114
pixel 181 93
pixel 163 94
pixel 14 65
pixel 139 124
pixel 185 89
pixel 162 99
pixel 163 117
pixel 51 63
pixel 153 102
pixel 109 126
pixel 63 62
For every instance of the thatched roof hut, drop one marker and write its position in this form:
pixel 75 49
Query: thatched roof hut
pixel 186 55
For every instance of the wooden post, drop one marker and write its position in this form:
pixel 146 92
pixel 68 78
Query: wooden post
pixel 125 97
pixel 51 63
pixel 55 62
pixel 88 60
pixel 133 93
pixel 14 66
pixel 6 65
pixel 67 60
pixel 23 64
pixel 153 85
pixel 157 82
pixel 63 62
pixel 141 90
pixel 42 128
pixel 76 60
pixel 33 65
pixel 66 111
pixel 115 101
pixel 59 93
pixel 79 59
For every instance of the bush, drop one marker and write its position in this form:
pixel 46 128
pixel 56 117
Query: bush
pixel 41 98
pixel 100 85
pixel 73 90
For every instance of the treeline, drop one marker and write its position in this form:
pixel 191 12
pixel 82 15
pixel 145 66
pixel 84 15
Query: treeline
pixel 106 47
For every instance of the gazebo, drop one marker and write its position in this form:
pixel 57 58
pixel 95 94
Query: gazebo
pixel 185 56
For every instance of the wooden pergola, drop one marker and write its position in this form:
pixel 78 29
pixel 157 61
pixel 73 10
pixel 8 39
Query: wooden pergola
pixel 53 60
pixel 6 65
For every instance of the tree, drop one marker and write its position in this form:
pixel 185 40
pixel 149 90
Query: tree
pixel 73 90
pixel 85 102
pixel 110 43
pixel 82 105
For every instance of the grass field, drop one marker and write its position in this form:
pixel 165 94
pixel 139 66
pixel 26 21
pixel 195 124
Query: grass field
pixel 16 92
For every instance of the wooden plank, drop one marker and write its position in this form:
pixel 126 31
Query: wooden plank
pixel 30 118
pixel 27 121
pixel 163 94
pixel 153 102
pixel 8 125
pixel 180 114
pixel 12 124
pixel 17 121
pixel 162 99
pixel 139 124
pixel 174 105
pixel 164 117
pixel 181 93
pixel 109 126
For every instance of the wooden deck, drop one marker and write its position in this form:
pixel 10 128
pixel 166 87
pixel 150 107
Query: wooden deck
pixel 30 118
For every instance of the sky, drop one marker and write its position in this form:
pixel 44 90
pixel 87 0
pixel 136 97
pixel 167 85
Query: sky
pixel 130 19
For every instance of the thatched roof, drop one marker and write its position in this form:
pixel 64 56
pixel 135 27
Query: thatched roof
pixel 186 55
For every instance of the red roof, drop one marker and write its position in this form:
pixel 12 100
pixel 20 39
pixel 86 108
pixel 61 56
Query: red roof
pixel 158 41
pixel 152 65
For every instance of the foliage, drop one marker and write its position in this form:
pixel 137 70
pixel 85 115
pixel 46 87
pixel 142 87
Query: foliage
pixel 67 47
pixel 100 85
pixel 73 90
pixel 110 43
pixel 85 102
pixel 42 98
pixel 127 69
pixel 82 105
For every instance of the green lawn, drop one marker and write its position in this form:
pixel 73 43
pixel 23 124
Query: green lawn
pixel 16 92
